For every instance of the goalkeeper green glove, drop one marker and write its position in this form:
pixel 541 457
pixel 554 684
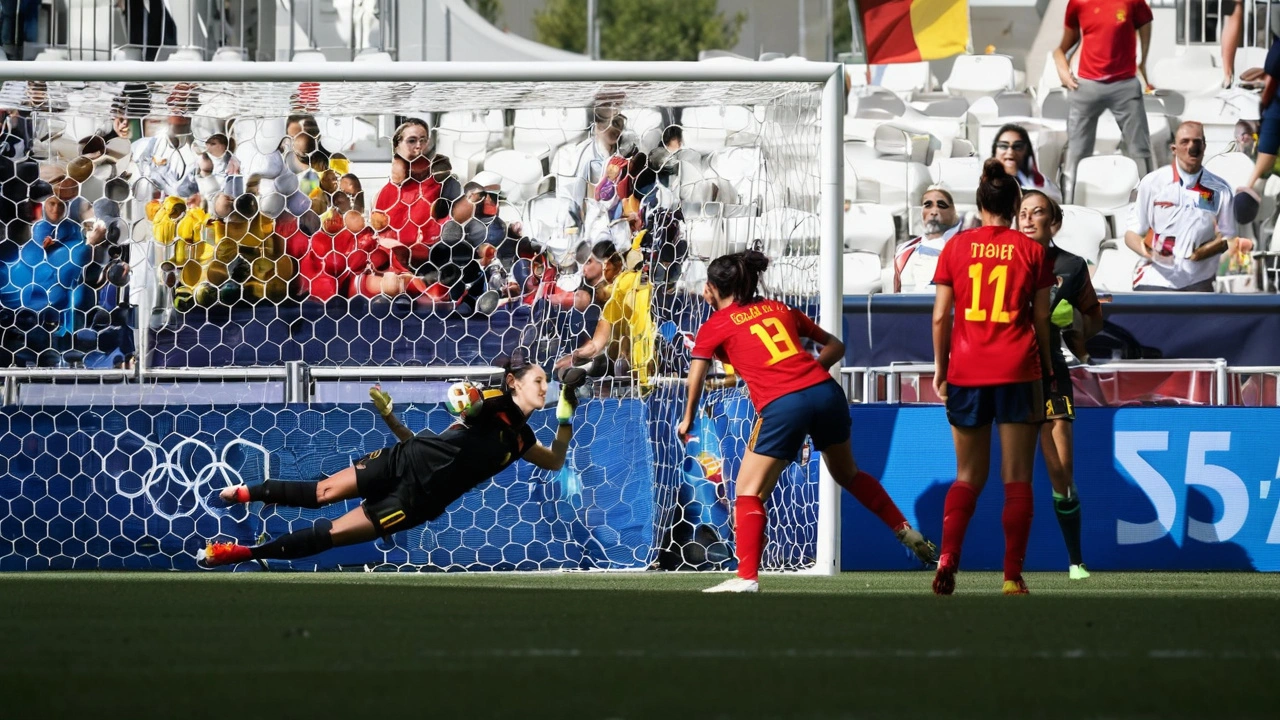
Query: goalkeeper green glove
pixel 1063 314
pixel 568 403
pixel 381 400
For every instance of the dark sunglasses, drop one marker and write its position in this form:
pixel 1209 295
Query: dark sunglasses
pixel 940 204
pixel 1018 146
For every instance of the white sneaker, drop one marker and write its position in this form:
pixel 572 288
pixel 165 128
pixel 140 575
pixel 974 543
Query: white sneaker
pixel 735 585
pixel 1077 572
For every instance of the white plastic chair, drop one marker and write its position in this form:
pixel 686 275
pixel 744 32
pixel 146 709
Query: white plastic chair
pixel 903 79
pixel 542 131
pixel 1116 263
pixel 709 128
pixel 975 76
pixel 960 177
pixel 1083 230
pixel 862 273
pixel 869 228
pixel 1106 182
pixel 521 174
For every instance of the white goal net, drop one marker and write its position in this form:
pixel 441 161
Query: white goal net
pixel 201 274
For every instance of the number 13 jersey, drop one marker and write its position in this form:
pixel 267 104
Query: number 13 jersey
pixel 995 273
pixel 762 340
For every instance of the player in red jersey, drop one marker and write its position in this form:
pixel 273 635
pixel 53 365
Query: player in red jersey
pixel 991 359
pixel 794 395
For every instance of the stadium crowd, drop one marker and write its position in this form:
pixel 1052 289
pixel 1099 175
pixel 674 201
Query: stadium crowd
pixel 294 223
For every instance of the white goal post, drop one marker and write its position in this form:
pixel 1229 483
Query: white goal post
pixel 386 80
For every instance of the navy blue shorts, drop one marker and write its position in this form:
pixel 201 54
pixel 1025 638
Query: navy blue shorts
pixel 820 412
pixel 979 407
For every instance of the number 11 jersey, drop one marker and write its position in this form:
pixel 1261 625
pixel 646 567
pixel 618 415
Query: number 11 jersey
pixel 762 340
pixel 995 273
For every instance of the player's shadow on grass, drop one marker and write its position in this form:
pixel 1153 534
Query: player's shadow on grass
pixel 984 541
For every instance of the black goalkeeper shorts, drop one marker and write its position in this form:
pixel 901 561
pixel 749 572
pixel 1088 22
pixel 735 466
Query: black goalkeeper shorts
pixel 393 501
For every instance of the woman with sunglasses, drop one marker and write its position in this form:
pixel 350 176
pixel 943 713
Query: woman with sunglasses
pixel 1012 147
pixel 412 482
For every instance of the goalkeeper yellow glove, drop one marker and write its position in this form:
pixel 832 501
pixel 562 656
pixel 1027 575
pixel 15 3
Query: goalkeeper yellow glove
pixel 1063 314
pixel 564 409
pixel 381 400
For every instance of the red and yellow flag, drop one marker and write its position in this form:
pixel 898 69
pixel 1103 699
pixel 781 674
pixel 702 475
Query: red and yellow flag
pixel 901 31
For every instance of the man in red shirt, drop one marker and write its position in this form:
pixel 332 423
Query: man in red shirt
pixel 1106 33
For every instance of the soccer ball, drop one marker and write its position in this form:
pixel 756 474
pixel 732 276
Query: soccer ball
pixel 463 400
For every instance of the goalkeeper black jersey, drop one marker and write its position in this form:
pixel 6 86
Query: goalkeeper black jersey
pixel 468 452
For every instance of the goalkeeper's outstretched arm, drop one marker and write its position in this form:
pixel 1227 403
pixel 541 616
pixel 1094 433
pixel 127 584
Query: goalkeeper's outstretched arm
pixel 552 458
pixel 382 403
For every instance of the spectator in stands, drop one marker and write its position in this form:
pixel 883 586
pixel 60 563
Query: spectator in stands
pixel 307 152
pixel 915 262
pixel 1246 138
pixel 1105 32
pixel 1013 148
pixel 1182 220
pixel 15 15
pixel 1268 136
pixel 600 269
pixel 624 333
pixel 50 267
pixel 419 178
pixel 15 135
pixel 167 161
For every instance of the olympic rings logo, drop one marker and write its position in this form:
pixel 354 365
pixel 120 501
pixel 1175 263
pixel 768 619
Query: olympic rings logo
pixel 168 474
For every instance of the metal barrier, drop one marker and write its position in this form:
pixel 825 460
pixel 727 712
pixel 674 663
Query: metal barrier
pixel 298 378
pixel 893 373
pixel 1238 375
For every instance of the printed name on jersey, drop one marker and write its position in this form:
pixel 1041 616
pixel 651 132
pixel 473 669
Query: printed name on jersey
pixel 749 314
pixel 991 251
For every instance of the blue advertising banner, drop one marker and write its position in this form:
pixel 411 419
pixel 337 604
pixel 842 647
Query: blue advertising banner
pixel 1162 488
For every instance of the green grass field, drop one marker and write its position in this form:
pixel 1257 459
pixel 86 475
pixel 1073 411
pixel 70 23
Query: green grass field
pixel 879 645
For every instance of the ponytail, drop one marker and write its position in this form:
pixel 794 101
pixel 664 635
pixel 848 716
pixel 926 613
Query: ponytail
pixel 737 275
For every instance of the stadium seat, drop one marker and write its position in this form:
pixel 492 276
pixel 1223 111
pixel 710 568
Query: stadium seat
pixel 540 132
pixel 1234 167
pixel 1116 263
pixel 309 55
pixel 895 181
pixel 1191 70
pixel 521 174
pixel 862 273
pixel 869 228
pixel 709 128
pixel 960 176
pixel 788 231
pixel 705 232
pixel 186 54
pixel 229 54
pixel 465 136
pixel 904 79
pixel 1083 230
pixel 976 76
pixel 792 275
pixel 1106 182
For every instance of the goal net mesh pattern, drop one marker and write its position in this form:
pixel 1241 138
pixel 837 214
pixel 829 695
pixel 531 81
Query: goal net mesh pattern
pixel 170 247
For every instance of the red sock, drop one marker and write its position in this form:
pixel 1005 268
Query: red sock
pixel 750 519
pixel 1017 527
pixel 871 494
pixel 961 499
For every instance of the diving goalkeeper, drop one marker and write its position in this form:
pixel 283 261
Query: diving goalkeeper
pixel 413 481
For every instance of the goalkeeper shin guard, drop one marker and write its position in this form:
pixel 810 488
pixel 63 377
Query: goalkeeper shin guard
pixel 298 544
pixel 280 492
pixel 1067 508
